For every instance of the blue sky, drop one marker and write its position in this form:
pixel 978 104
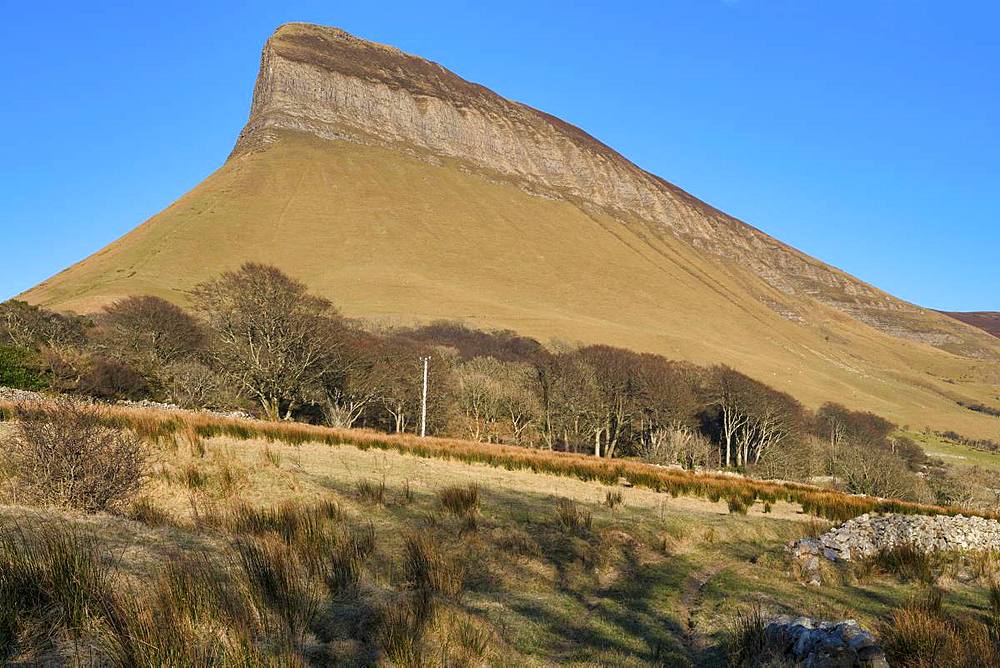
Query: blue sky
pixel 864 132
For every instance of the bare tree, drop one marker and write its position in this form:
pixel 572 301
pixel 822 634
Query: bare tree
pixel 495 398
pixel 28 326
pixel 151 329
pixel 753 418
pixel 270 336
pixel 354 376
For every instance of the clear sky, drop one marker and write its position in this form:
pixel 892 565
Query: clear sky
pixel 864 132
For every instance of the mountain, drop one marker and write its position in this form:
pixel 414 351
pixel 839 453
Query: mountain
pixel 405 193
pixel 988 321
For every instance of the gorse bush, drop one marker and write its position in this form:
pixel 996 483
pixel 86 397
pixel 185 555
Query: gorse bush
pixel 18 371
pixel 63 453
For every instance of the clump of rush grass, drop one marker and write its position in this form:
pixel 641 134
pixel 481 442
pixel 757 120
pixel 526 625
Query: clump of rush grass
pixel 350 550
pixel 515 541
pixel 278 583
pixel 406 495
pixel 145 510
pixel 270 457
pixel 194 477
pixel 402 634
pixel 737 505
pixel 306 528
pixel 613 498
pixel 429 572
pixel 460 501
pixel 572 518
pixel 371 492
pixel 205 514
pixel 923 633
pixel 194 614
pixel 470 641
pixel 405 622
pixel 746 643
pixel 53 586
pixel 907 562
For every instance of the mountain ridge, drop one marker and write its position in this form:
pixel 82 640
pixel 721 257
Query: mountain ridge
pixel 307 83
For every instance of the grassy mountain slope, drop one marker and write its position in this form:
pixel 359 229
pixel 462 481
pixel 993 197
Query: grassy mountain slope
pixel 390 236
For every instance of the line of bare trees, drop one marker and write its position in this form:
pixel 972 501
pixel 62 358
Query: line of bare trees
pixel 256 339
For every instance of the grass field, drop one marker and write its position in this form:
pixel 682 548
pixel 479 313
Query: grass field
pixel 955 454
pixel 539 570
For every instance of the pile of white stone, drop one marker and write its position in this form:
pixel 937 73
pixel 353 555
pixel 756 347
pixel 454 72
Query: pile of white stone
pixel 867 535
pixel 17 396
pixel 808 642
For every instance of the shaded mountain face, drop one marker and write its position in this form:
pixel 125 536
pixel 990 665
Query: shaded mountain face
pixel 988 321
pixel 405 193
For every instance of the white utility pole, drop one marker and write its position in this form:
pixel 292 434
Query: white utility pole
pixel 423 403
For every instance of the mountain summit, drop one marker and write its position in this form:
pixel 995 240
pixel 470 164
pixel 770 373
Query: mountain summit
pixel 405 193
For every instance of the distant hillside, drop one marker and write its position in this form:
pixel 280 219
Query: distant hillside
pixel 407 194
pixel 988 321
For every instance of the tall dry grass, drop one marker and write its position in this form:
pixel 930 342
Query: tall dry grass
pixel 924 633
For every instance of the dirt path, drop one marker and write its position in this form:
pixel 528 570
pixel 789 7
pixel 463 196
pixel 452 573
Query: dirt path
pixel 696 642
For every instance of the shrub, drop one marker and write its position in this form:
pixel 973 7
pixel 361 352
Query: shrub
pixel 63 453
pixel 108 378
pixel 17 371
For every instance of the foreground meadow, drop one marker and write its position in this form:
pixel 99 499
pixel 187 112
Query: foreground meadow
pixel 253 551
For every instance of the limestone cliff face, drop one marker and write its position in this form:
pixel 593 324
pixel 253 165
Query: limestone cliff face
pixel 328 83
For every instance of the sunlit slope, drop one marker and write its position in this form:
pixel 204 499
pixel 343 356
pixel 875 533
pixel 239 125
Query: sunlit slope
pixel 393 238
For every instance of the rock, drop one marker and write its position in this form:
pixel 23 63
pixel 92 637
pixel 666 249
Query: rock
pixel 821 644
